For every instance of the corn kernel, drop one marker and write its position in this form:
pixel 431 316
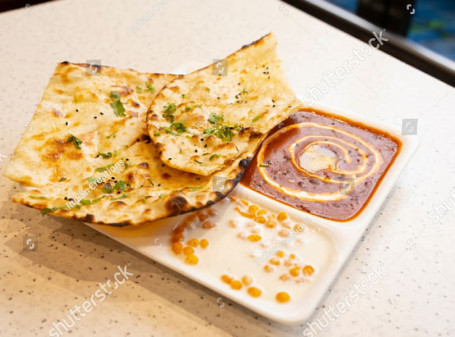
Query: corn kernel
pixel 178 237
pixel 308 270
pixel 283 297
pixel 252 209
pixel 292 256
pixel 212 211
pixel 226 279
pixel 254 292
pixel 204 243
pixel 179 229
pixel 274 261
pixel 188 250
pixel 177 247
pixel 282 216
pixel 245 202
pixel 244 214
pixel 202 216
pixel 288 262
pixel 236 285
pixel 268 268
pixel 254 237
pixel 284 277
pixel 284 233
pixel 208 224
pixel 294 271
pixel 260 219
pixel 298 228
pixel 191 259
pixel 280 253
pixel 270 224
pixel 261 212
pixel 193 243
pixel 247 280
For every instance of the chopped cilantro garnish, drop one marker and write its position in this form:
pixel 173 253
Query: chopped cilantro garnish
pixel 113 134
pixel 207 88
pixel 45 211
pixel 258 117
pixel 264 164
pixel 215 119
pixel 138 89
pixel 105 155
pixel 117 105
pixel 125 195
pixel 77 142
pixel 244 91
pixel 120 185
pixel 169 110
pixel 151 181
pixel 197 161
pixel 40 197
pixel 104 168
pixel 195 188
pixel 150 87
pixel 61 179
pixel 92 179
pixel 156 134
pixel 179 127
pixel 86 202
pixel 107 189
pixel 213 156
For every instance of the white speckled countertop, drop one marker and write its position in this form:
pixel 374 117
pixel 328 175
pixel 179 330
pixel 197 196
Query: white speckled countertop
pixel 412 238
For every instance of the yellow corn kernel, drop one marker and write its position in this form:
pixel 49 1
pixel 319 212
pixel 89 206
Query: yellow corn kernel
pixel 212 211
pixel 254 292
pixel 191 259
pixel 236 285
pixel 226 278
pixel 282 297
pixel 193 243
pixel 260 219
pixel 177 247
pixel 204 243
pixel 298 228
pixel 294 271
pixel 261 212
pixel 275 261
pixel 284 233
pixel 270 223
pixel 254 237
pixel 188 250
pixel 202 216
pixel 247 280
pixel 208 224
pixel 284 277
pixel 292 256
pixel 178 237
pixel 307 270
pixel 245 202
pixel 252 209
pixel 280 253
pixel 288 262
pixel 244 214
pixel 282 216
pixel 268 268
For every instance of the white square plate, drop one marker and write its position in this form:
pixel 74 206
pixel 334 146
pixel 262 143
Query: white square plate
pixel 324 243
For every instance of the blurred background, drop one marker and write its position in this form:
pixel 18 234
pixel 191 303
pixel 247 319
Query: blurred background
pixel 421 32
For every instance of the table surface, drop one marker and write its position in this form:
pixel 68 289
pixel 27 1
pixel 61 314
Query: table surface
pixel 411 239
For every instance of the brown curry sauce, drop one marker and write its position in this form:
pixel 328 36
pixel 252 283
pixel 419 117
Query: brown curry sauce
pixel 355 158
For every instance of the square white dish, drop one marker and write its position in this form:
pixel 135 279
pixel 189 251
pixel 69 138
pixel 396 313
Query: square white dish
pixel 221 256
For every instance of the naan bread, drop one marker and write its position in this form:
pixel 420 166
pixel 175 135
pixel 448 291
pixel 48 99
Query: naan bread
pixel 202 122
pixel 77 102
pixel 106 170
